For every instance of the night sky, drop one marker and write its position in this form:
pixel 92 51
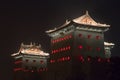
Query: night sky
pixel 27 20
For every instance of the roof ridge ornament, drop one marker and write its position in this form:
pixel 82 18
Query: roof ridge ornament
pixel 86 19
pixel 22 44
pixel 66 20
pixel 31 43
pixel 86 12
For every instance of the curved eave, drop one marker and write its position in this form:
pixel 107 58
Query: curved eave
pixel 64 25
pixel 108 44
pixel 111 45
pixel 56 29
pixel 35 54
pixel 97 25
pixel 91 27
pixel 15 54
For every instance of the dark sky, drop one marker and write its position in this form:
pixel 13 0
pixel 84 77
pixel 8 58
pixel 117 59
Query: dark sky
pixel 27 20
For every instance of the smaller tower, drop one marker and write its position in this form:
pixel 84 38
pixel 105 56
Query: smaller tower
pixel 107 49
pixel 29 59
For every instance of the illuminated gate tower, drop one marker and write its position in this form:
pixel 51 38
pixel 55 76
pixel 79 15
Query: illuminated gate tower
pixel 30 60
pixel 75 47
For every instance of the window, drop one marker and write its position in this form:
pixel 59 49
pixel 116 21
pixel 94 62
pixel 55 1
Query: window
pixel 88 59
pixel 98 49
pixel 61 49
pixel 99 59
pixel 80 46
pixel 26 60
pixel 68 58
pixel 61 39
pixel 97 37
pixel 52 61
pixel 89 36
pixel 34 60
pixel 65 58
pixel 18 69
pixel 80 35
pixel 89 48
pixel 69 47
pixel 17 62
pixel 33 68
pixel 81 58
pixel 70 36
pixel 41 62
pixel 43 69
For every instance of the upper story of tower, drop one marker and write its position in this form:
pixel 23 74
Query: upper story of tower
pixel 31 49
pixel 84 22
pixel 87 20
